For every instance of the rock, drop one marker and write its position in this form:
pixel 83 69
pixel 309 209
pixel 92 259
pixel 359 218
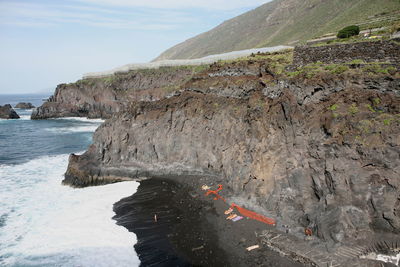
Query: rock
pixel 24 105
pixel 7 112
pixel 291 156
pixel 101 97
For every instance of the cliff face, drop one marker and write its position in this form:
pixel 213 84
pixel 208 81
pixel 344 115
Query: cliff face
pixel 313 145
pixel 101 97
pixel 320 153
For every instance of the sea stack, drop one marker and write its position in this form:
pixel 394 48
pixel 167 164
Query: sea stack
pixel 7 112
pixel 25 105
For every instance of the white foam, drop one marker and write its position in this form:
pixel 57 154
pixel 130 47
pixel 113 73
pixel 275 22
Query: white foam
pixel 24 117
pixel 395 259
pixel 54 225
pixel 81 119
pixel 73 129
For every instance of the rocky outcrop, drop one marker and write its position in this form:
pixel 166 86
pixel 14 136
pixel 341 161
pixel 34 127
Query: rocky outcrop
pixel 101 97
pixel 322 153
pixel 24 105
pixel 7 112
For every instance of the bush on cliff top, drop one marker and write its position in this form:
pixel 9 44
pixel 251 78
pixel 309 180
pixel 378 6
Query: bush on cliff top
pixel 348 31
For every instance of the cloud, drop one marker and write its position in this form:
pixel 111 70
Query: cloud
pixel 48 15
pixel 149 15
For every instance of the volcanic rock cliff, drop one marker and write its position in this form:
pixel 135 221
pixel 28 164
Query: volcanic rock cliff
pixel 314 146
pixel 321 152
pixel 101 97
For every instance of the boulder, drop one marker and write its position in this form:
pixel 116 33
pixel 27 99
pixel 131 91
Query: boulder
pixel 7 112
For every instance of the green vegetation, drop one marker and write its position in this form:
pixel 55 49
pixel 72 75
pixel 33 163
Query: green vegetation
pixel 387 122
pixel 85 82
pixel 338 69
pixel 376 100
pixel 357 62
pixel 283 57
pixel 365 126
pixel 353 109
pixel 370 108
pixel 276 61
pixel 373 68
pixel 348 31
pixel 108 80
pixel 272 24
pixel 334 107
pixel 377 68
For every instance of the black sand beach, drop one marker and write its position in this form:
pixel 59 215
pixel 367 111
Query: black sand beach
pixel 191 229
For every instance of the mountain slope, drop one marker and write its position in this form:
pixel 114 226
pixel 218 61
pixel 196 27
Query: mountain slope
pixel 279 22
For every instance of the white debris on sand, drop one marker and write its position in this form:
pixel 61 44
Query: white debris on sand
pixel 382 257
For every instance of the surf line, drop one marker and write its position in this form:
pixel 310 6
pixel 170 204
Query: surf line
pixel 245 212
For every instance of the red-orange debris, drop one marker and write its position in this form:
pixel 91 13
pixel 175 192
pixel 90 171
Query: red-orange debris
pixel 215 192
pixel 308 232
pixel 245 212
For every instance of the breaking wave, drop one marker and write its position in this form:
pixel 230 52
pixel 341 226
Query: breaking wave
pixel 43 223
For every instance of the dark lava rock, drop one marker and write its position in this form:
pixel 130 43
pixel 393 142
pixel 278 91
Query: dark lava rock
pixel 335 172
pixel 7 112
pixel 25 105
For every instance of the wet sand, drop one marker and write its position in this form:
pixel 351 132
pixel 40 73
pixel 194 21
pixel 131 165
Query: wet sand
pixel 191 229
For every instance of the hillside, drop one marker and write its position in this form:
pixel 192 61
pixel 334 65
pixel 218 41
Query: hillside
pixel 280 22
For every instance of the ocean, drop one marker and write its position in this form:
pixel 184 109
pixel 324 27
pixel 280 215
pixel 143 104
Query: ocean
pixel 43 223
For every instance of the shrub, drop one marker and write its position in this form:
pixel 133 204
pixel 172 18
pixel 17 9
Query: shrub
pixel 357 62
pixel 348 32
pixel 330 67
pixel 353 109
pixel 340 69
pixel 376 100
pixel 387 122
pixel 370 108
pixel 333 107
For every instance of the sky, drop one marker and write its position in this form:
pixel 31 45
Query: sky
pixel 45 42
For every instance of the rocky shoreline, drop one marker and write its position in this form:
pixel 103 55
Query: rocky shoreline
pixel 329 185
pixel 314 147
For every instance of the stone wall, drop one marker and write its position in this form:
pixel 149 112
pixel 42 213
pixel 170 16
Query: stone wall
pixel 379 51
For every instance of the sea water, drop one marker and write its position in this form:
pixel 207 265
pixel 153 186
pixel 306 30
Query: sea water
pixel 43 223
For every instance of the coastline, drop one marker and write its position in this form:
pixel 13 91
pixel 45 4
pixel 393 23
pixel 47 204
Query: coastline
pixel 191 229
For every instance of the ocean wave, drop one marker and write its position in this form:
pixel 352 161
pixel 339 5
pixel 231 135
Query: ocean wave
pixel 24 117
pixel 81 119
pixel 21 117
pixel 47 224
pixel 73 129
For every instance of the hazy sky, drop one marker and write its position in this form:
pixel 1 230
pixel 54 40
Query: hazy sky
pixel 46 42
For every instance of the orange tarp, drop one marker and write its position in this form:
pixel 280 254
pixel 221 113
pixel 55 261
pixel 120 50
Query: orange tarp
pixel 245 212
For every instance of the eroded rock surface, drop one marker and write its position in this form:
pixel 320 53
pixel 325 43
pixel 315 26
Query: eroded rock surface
pixel 101 97
pixel 322 153
pixel 7 112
